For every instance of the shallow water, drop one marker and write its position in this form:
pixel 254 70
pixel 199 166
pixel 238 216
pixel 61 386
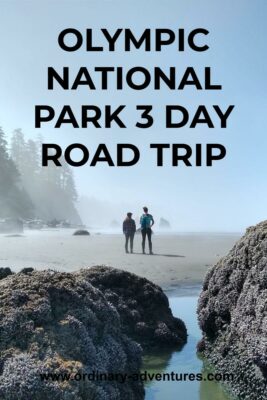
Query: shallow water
pixel 185 361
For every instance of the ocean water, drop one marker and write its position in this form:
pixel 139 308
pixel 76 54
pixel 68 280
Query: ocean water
pixel 184 361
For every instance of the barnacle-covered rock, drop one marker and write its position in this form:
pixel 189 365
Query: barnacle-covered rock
pixel 53 322
pixel 232 312
pixel 4 272
pixel 143 307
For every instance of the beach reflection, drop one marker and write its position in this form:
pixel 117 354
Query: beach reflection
pixel 181 362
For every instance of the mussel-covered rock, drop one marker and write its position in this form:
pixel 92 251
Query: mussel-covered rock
pixel 143 307
pixel 59 323
pixel 232 314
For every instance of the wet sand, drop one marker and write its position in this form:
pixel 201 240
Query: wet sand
pixel 180 260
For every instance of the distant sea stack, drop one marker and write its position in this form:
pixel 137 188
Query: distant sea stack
pixel 53 322
pixel 232 312
pixel 164 224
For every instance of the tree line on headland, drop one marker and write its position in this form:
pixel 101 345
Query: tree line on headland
pixel 29 191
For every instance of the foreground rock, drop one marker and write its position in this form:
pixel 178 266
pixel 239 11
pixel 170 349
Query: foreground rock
pixel 232 314
pixel 142 306
pixel 53 322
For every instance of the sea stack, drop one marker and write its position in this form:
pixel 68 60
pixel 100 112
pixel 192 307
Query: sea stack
pixel 232 312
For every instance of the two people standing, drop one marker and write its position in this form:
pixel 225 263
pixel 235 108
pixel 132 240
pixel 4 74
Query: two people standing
pixel 129 229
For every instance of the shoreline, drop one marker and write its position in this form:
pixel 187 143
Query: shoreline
pixel 180 262
pixel 183 291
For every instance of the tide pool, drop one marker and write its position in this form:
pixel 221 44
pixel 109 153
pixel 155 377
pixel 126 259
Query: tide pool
pixel 181 362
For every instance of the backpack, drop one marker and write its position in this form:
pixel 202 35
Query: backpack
pixel 145 221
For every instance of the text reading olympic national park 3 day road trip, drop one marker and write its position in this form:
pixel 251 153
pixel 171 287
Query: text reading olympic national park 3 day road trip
pixel 133 78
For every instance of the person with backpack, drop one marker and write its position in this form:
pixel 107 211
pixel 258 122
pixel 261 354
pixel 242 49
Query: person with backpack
pixel 129 229
pixel 146 222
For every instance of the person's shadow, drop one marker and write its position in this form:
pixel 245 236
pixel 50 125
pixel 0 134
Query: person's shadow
pixel 161 255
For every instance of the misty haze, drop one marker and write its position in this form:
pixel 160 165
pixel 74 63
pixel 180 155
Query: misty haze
pixel 41 209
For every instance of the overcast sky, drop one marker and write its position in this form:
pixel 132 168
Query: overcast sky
pixel 227 197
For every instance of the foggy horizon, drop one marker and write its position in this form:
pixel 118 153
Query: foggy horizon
pixel 227 197
pixel 103 212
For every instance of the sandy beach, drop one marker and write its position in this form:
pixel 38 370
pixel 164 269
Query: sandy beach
pixel 179 260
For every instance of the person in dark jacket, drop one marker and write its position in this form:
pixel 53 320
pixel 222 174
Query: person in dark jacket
pixel 129 229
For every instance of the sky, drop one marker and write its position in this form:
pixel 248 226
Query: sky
pixel 227 197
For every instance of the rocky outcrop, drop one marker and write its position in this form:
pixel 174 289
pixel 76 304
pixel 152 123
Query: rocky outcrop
pixel 53 322
pixel 232 313
pixel 142 306
pixel 79 324
pixel 4 272
pixel 81 232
